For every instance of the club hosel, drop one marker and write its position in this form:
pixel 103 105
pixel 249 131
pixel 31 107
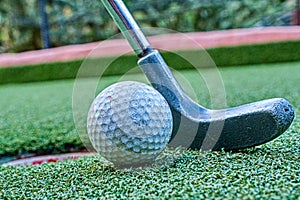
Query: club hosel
pixel 157 71
pixel 163 80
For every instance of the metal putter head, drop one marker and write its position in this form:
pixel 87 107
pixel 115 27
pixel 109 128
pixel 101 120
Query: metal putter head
pixel 195 126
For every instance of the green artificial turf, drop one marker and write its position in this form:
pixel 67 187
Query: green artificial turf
pixel 271 172
pixel 37 118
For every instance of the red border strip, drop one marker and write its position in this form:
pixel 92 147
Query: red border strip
pixel 210 39
pixel 38 160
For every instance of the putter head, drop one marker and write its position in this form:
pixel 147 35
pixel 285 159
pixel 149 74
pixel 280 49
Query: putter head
pixel 229 129
pixel 244 126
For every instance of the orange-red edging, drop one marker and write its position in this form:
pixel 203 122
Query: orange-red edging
pixel 38 160
pixel 168 41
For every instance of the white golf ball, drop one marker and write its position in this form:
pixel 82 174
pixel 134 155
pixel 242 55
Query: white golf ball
pixel 129 123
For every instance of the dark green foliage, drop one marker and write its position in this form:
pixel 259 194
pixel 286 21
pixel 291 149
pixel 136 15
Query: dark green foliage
pixel 19 25
pixel 222 56
pixel 204 15
pixel 81 21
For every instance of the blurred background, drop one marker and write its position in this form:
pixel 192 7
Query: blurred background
pixel 36 24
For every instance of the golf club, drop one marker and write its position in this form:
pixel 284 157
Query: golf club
pixel 228 129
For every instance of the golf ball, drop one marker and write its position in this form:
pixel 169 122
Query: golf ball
pixel 129 123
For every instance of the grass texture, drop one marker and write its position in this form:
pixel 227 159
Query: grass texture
pixel 285 51
pixel 37 118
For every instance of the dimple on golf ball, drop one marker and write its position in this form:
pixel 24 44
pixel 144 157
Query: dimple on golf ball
pixel 129 123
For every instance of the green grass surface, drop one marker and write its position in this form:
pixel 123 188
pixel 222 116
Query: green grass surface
pixel 37 117
pixel 223 56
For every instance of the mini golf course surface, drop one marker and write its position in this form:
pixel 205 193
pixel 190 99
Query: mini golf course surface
pixel 36 118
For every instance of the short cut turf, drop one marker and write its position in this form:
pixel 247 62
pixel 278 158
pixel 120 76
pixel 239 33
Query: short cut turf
pixel 37 117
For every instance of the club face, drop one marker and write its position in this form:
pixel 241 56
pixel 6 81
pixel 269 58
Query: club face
pixel 229 129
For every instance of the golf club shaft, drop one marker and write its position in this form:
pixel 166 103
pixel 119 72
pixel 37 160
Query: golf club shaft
pixel 151 62
pixel 128 26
